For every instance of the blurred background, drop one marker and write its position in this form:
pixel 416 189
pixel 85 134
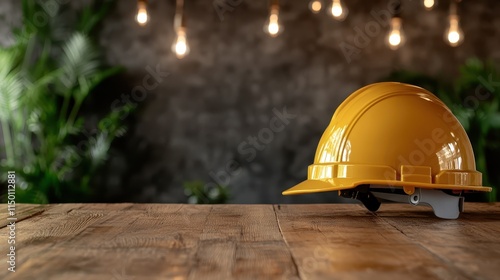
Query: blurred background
pixel 221 101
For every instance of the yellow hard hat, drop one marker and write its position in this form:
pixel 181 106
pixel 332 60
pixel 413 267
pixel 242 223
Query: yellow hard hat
pixel 396 136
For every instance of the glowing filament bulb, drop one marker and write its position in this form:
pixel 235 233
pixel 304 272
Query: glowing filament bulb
pixel 396 37
pixel 337 10
pixel 429 4
pixel 273 26
pixel 454 34
pixel 142 16
pixel 315 6
pixel 180 46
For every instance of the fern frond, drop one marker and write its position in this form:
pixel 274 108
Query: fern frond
pixel 80 60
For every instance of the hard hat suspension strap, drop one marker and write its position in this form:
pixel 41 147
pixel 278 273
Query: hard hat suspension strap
pixel 363 194
pixel 444 205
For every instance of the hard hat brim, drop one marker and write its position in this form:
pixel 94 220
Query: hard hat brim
pixel 315 186
pixel 310 186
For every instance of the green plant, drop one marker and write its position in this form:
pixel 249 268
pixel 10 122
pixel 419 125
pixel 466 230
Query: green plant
pixel 45 78
pixel 474 98
pixel 200 193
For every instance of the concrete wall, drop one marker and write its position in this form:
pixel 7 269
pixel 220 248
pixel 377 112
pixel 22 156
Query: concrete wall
pixel 189 126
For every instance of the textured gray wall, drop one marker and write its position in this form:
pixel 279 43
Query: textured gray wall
pixel 191 124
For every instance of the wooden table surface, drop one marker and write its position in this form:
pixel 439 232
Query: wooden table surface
pixel 175 241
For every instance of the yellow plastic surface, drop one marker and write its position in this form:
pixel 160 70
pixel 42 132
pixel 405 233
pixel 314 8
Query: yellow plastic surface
pixel 395 135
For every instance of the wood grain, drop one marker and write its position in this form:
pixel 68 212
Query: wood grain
pixel 22 211
pixel 470 243
pixel 174 241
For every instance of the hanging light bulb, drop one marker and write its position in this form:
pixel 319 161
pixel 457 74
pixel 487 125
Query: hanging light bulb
pixel 180 46
pixel 396 37
pixel 429 4
pixel 454 34
pixel 338 10
pixel 273 26
pixel 142 16
pixel 315 6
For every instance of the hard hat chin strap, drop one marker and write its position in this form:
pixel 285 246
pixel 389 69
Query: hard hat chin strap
pixel 445 206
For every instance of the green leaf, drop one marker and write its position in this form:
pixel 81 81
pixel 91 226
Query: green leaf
pixel 10 86
pixel 33 121
pixel 93 14
pixel 46 62
pixel 80 61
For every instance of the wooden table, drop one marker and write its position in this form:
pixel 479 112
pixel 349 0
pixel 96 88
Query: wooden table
pixel 174 241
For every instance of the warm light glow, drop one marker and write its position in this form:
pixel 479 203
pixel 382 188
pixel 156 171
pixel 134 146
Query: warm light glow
pixel 180 46
pixel 429 4
pixel 453 37
pixel 315 6
pixel 273 26
pixel 142 13
pixel 337 10
pixel 395 38
pixel 454 34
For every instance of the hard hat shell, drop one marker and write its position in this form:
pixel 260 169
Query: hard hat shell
pixel 395 135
